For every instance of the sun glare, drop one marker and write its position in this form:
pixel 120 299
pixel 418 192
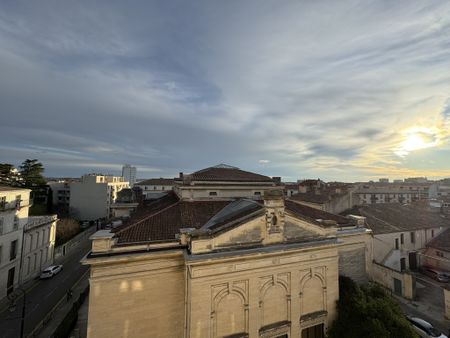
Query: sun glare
pixel 414 142
pixel 416 139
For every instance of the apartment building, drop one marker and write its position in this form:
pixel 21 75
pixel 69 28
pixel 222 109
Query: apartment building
pixel 38 245
pixel 92 197
pixel 373 193
pixel 129 174
pixel 14 206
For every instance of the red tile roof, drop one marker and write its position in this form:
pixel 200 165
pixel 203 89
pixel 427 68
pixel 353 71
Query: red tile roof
pixel 228 174
pixel 166 223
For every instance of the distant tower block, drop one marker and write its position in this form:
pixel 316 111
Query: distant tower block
pixel 129 174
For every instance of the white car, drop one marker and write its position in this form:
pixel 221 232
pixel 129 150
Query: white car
pixel 425 329
pixel 51 271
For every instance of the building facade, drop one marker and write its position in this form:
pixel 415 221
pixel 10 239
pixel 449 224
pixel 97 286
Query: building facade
pixel 377 193
pixel 251 270
pixel 194 264
pixel 402 232
pixel 92 197
pixel 129 174
pixel 14 206
pixel 223 181
pixel 38 245
pixel 155 186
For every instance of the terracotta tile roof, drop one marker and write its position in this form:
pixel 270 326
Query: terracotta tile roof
pixel 157 181
pixel 166 223
pixel 228 174
pixel 396 217
pixel 312 214
pixel 441 241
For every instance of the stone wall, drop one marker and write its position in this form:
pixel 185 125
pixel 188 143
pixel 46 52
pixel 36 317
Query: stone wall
pixel 352 263
pixel 385 276
pixel 63 250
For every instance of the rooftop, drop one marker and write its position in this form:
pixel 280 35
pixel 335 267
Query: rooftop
pixel 396 217
pixel 315 215
pixel 441 241
pixel 225 173
pixel 156 181
pixel 9 188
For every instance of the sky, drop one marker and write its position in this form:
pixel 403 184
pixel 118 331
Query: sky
pixel 341 90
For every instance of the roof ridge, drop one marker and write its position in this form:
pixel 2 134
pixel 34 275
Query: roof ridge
pixel 147 217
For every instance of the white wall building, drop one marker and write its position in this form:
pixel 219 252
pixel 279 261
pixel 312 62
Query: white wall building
pixel 14 205
pixel 129 174
pixel 38 246
pixel 91 198
pixel 154 186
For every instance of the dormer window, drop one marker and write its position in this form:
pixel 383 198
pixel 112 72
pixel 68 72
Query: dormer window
pixel 274 220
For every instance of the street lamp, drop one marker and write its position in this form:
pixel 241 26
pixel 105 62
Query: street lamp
pixel 12 307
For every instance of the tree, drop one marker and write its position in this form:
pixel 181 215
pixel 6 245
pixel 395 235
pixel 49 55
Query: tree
pixel 8 174
pixel 66 229
pixel 368 312
pixel 31 173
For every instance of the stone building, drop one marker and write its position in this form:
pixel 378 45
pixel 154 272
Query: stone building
pixel 14 206
pixel 401 232
pixel 38 245
pixel 191 264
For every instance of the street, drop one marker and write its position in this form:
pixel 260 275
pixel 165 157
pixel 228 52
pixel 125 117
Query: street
pixel 429 303
pixel 44 295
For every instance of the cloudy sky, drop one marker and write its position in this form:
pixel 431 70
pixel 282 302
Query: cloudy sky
pixel 342 90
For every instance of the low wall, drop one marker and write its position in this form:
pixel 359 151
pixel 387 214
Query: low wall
pixel 385 276
pixel 447 302
pixel 63 250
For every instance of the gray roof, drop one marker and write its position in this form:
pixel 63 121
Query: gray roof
pixel 396 217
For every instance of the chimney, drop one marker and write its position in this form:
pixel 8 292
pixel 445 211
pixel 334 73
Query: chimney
pixel 277 179
pixel 181 175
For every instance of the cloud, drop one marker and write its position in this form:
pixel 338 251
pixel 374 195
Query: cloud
pixel 327 87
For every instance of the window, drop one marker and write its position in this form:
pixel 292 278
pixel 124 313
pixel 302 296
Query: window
pixel 396 244
pixel 162 188
pixel 31 242
pixel 432 233
pixel 274 219
pixel 402 264
pixel 1 254
pixel 37 239
pixel 413 237
pixel 18 200
pixel 258 193
pixel 16 223
pixel 213 193
pixel 10 282
pixel 1 226
pixel 13 250
pixel 2 202
pixel 402 239
pixel 154 188
pixel 439 254
pixel 313 332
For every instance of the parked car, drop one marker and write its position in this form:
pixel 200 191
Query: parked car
pixel 50 271
pixel 424 329
pixel 438 275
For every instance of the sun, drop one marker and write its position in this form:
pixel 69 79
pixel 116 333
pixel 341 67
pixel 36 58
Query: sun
pixel 416 139
pixel 414 142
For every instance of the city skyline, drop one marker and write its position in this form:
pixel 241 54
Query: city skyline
pixel 344 91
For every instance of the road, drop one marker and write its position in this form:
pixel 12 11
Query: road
pixel 44 295
pixel 429 303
